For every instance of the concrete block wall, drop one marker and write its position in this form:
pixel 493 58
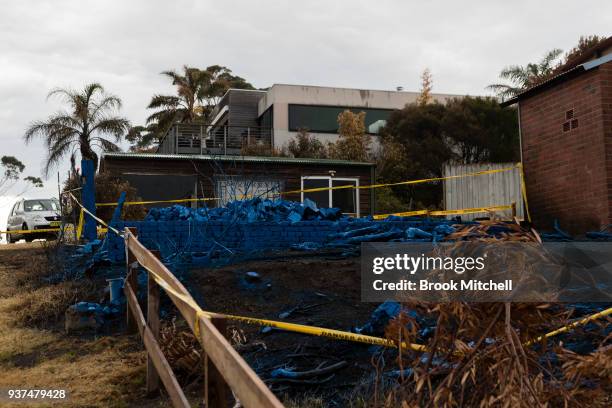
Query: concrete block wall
pixel 243 238
pixel 568 172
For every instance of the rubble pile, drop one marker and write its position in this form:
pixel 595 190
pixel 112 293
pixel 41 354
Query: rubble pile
pixel 252 210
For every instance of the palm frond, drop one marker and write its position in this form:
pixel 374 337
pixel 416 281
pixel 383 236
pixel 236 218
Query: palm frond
pixel 114 126
pixel 55 155
pixel 106 145
pixel 164 101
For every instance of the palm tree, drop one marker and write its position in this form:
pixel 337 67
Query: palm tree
pixel 525 77
pixel 184 106
pixel 87 123
pixel 197 93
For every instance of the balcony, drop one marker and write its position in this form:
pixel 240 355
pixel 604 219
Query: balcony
pixel 189 138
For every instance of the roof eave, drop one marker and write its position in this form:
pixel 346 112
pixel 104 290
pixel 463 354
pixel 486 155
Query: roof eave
pixel 253 159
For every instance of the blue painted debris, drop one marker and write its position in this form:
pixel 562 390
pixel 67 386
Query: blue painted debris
pixel 252 210
pixel 380 318
pixel 307 246
pixel 252 276
pixel 417 233
pixel 599 236
pixel 89 247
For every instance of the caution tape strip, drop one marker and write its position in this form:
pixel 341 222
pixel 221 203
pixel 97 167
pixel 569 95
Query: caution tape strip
pixel 524 190
pixel 313 190
pixel 94 217
pixel 332 333
pixel 402 183
pixel 446 212
pixel 182 200
pixel 570 326
pixel 292 327
pixel 30 231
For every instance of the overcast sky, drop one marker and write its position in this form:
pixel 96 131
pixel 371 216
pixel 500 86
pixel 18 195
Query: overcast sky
pixel 380 44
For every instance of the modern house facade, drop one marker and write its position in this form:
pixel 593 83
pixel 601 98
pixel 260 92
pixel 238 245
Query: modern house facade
pixel 566 144
pixel 274 116
pixel 209 160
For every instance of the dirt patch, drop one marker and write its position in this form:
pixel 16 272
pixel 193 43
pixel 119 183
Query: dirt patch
pixel 314 290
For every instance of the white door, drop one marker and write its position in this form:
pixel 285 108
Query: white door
pixel 344 198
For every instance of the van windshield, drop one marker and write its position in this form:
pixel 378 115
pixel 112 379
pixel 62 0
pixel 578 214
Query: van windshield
pixel 41 205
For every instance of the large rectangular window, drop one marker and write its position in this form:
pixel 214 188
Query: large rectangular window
pixel 324 119
pixel 230 188
pixel 344 198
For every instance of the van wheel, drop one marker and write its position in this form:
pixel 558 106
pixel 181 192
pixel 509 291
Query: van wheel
pixel 9 240
pixel 27 237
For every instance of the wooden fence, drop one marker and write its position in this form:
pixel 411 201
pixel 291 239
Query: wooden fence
pixel 224 369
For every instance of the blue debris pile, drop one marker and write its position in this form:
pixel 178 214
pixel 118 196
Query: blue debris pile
pixel 380 318
pixel 86 315
pixel 418 230
pixel 252 210
pixel 386 311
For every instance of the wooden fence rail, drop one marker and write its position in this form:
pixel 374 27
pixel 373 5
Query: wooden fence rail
pixel 224 369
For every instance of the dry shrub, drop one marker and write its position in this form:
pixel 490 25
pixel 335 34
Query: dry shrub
pixel 108 190
pixel 477 358
pixel 45 304
pixel 181 349
pixel 306 401
pixel 477 354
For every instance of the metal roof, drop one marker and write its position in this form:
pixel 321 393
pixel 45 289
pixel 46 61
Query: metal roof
pixel 559 77
pixel 233 158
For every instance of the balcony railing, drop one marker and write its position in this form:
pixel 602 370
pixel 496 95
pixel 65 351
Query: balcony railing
pixel 202 139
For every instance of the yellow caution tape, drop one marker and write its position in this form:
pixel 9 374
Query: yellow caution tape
pixel 313 190
pixel 570 326
pixel 446 212
pixel 401 183
pixel 292 327
pixel 30 231
pixel 182 200
pixel 332 333
pixel 94 217
pixel 80 224
pixel 524 190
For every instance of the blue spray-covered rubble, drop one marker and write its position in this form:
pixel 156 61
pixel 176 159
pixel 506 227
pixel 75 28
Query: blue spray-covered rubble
pixel 202 235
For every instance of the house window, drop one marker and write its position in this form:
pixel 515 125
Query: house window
pixel 230 188
pixel 345 198
pixel 324 119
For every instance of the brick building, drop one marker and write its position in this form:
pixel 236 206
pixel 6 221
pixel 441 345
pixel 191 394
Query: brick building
pixel 566 144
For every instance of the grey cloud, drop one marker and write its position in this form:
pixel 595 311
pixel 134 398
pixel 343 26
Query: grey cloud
pixel 365 44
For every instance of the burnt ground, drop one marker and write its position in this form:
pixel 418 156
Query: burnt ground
pixel 316 289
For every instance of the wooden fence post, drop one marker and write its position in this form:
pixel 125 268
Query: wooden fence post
pixel 216 390
pixel 153 323
pixel 131 278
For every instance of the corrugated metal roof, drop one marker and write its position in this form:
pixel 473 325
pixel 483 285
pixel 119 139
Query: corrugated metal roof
pixel 231 158
pixel 563 75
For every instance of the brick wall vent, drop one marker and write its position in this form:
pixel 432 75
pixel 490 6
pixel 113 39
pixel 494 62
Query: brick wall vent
pixel 574 123
pixel 569 114
pixel 566 127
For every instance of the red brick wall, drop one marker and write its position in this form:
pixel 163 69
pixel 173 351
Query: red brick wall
pixel 606 99
pixel 568 175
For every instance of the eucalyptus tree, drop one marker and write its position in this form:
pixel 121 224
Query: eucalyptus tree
pixel 88 121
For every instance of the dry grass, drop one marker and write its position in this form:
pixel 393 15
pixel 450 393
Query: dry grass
pixel 36 353
pixel 45 305
pixel 307 401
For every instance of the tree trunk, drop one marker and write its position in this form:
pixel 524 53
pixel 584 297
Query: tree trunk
pixel 87 153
